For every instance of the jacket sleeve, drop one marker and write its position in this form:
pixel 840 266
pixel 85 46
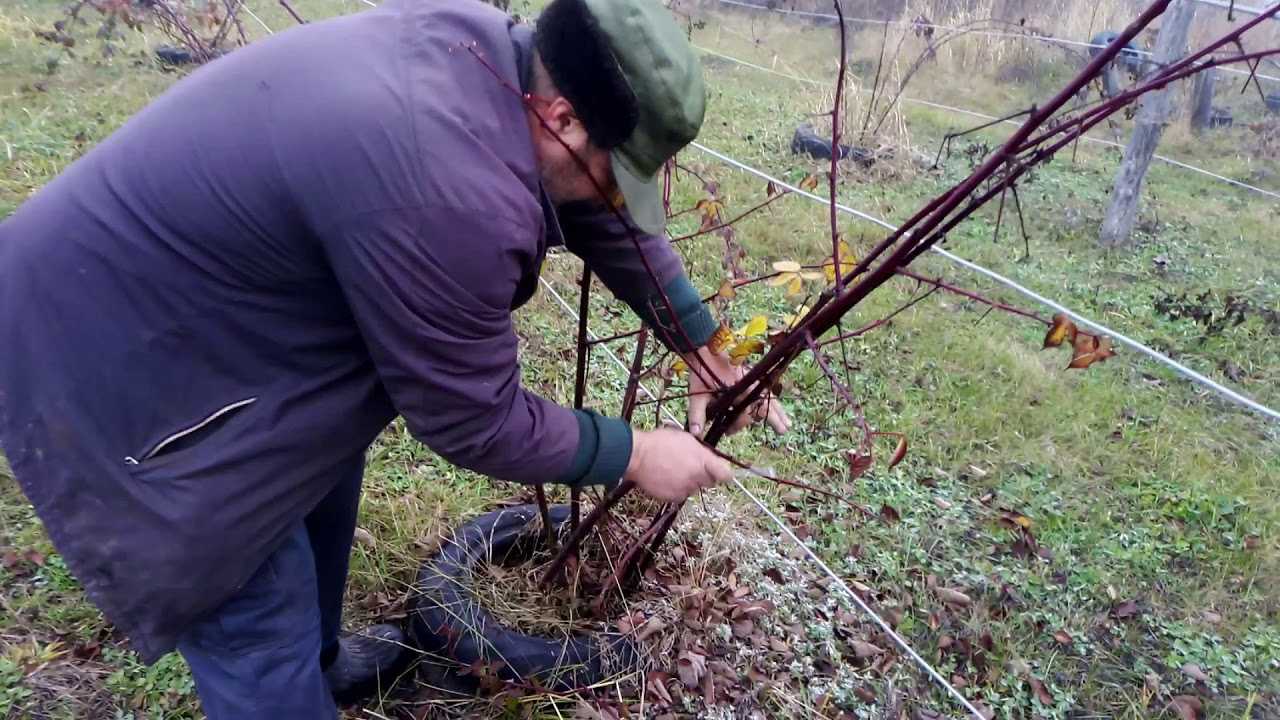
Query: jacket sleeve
pixel 595 234
pixel 430 290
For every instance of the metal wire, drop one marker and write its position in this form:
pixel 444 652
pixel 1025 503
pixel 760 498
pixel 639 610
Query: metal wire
pixel 1049 39
pixel 984 116
pixel 1077 317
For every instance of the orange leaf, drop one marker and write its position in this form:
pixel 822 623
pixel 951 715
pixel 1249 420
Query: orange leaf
pixel 1061 330
pixel 899 452
pixel 1104 350
pixel 810 182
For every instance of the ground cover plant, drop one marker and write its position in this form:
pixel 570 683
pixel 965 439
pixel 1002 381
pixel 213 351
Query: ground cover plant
pixel 1150 501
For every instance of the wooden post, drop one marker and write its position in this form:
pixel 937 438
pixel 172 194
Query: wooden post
pixel 1117 226
pixel 1202 99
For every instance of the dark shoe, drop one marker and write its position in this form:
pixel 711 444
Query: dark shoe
pixel 367 662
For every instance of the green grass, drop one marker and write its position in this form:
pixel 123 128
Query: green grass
pixel 1140 486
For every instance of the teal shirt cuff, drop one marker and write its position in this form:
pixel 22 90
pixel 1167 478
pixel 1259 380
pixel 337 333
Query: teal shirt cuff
pixel 696 320
pixel 604 451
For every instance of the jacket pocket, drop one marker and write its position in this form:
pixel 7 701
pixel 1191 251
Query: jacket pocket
pixel 192 434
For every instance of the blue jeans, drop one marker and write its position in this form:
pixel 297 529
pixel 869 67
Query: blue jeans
pixel 257 657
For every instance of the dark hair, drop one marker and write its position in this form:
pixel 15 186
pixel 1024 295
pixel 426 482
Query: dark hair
pixel 583 68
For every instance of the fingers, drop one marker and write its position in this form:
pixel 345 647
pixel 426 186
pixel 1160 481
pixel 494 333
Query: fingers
pixel 777 417
pixel 717 471
pixel 698 413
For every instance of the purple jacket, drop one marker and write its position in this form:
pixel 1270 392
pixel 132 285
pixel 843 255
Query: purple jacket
pixel 243 285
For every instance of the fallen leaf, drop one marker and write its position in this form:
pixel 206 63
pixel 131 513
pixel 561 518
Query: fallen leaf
pixel 9 559
pixel 691 666
pixel 35 557
pixel 364 538
pixel 1211 617
pixel 653 625
pixel 1041 692
pixel 864 650
pixel 859 463
pixel 1014 520
pixel 899 452
pixel 775 575
pixel 1062 329
pixel 953 597
pixel 656 682
pixel 865 694
pixel 1126 609
pixel 1194 672
pixel 890 514
pixel 743 628
pixel 1188 707
pixel 779 646
pixel 1062 637
pixel 810 182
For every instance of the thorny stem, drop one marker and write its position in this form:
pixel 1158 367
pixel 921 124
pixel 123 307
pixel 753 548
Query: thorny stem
pixel 293 13
pixel 727 223
pixel 580 379
pixel 834 177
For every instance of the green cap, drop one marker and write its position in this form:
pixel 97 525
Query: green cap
pixel 658 65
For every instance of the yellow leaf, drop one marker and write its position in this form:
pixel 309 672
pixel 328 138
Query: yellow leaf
pixel 795 287
pixel 847 263
pixel 739 353
pixel 679 367
pixel 811 275
pixel 727 291
pixel 787 266
pixel 780 279
pixel 1062 330
pixel 756 327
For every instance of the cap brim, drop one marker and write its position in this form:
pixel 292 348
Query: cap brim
pixel 642 195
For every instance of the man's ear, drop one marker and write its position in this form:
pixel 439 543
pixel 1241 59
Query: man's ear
pixel 563 120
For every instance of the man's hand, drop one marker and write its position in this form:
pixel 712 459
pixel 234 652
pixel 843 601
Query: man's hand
pixel 702 391
pixel 670 465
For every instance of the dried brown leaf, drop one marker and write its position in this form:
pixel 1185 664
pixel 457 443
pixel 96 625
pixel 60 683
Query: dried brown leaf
pixel 691 666
pixel 899 452
pixel 1041 692
pixel 953 597
pixel 1187 707
pixel 864 650
pixel 859 463
pixel 1194 672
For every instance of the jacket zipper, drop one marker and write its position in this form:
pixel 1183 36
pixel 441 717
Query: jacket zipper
pixel 194 428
